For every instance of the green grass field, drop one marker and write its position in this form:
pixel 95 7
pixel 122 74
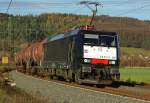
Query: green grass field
pixel 135 74
pixel 135 51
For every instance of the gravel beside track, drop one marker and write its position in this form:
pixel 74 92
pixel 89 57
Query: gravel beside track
pixel 61 93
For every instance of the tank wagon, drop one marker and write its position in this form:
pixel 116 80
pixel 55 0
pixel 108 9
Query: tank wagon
pixel 83 55
pixel 29 58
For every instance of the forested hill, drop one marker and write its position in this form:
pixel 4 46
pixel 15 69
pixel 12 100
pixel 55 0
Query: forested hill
pixel 24 29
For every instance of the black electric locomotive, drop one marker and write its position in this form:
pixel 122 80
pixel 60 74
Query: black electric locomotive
pixel 83 55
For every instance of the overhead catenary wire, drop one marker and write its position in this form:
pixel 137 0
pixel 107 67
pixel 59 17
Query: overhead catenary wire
pixel 133 10
pixel 64 4
pixel 125 2
pixel 9 29
pixel 7 10
pixel 130 10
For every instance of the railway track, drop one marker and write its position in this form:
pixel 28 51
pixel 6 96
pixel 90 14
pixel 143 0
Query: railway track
pixel 136 93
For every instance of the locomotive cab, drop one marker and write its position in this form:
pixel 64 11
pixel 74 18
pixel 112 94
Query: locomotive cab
pixel 100 57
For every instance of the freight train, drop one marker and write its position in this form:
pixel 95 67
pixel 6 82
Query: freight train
pixel 82 55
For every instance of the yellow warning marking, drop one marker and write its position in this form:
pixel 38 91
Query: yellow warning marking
pixel 4 60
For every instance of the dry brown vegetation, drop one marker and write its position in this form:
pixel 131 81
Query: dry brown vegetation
pixel 135 57
pixel 14 95
pixel 10 94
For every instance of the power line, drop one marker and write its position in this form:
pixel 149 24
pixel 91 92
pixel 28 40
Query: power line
pixel 9 6
pixel 11 38
pixel 112 4
pixel 133 10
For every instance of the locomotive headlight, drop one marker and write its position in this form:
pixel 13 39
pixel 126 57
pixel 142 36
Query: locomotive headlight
pixel 87 60
pixel 112 62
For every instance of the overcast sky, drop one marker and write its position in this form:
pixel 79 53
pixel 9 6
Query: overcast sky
pixel 130 8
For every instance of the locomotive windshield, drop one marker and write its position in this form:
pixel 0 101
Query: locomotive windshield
pixel 106 40
pixel 90 39
pixel 102 40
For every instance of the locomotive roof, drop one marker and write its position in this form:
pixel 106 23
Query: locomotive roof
pixel 62 35
pixel 76 32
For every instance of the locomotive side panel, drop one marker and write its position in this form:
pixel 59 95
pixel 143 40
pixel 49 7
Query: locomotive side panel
pixel 62 57
pixel 56 53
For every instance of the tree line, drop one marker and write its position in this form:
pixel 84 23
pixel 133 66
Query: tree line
pixel 18 29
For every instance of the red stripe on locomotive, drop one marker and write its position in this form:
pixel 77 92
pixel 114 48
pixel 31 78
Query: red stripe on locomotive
pixel 101 61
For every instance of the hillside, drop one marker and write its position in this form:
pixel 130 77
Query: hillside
pixel 16 31
pixel 133 32
pixel 135 57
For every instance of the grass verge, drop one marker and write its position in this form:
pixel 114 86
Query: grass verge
pixel 135 51
pixel 138 75
pixel 14 95
pixel 10 94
